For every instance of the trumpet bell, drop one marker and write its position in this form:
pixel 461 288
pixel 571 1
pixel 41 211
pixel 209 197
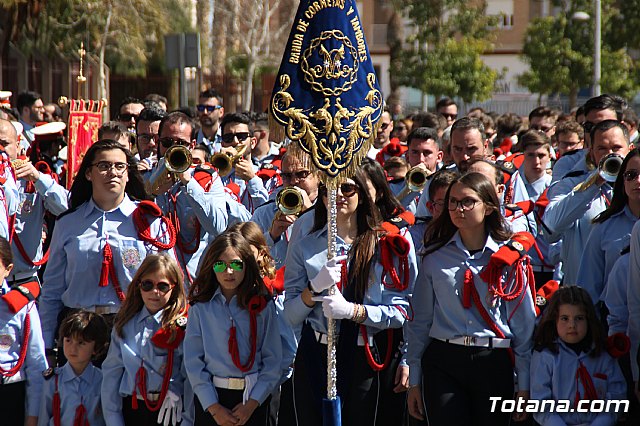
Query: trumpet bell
pixel 290 201
pixel 416 179
pixel 224 162
pixel 178 159
pixel 610 166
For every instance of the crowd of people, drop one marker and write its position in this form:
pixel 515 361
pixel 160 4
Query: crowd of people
pixel 184 277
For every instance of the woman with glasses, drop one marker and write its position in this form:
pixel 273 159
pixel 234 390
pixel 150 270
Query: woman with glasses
pixel 373 279
pixel 99 243
pixel 463 339
pixel 142 376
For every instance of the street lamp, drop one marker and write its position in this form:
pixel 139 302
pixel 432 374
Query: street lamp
pixel 597 43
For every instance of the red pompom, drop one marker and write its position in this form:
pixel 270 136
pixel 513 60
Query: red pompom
pixel 150 208
pixel 618 345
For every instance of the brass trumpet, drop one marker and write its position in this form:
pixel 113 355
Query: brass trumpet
pixel 178 159
pixel 290 201
pixel 608 169
pixel 224 162
pixel 18 162
pixel 416 179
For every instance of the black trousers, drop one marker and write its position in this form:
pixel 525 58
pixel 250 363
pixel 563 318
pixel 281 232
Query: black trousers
pixel 392 407
pixel 286 409
pixel 13 397
pixel 229 399
pixel 140 417
pixel 459 380
pixel 359 398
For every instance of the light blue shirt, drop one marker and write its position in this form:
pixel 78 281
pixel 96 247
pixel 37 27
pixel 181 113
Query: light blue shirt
pixel 566 163
pixel 615 297
pixel 72 276
pixel 534 191
pixel 553 377
pixel 264 216
pixel 633 296
pixel 569 215
pixel 9 201
pixel 127 354
pixel 252 193
pixel 11 339
pixel 195 207
pixel 439 312
pixel 209 356
pixel 606 241
pixel 50 196
pixel 73 390
pixel 386 307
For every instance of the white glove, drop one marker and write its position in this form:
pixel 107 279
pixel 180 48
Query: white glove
pixel 335 306
pixel 328 275
pixel 171 410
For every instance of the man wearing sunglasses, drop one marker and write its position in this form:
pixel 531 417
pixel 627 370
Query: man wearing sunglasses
pixel 129 111
pixel 237 132
pixel 296 172
pixel 383 137
pixel 447 108
pixel 195 203
pixel 210 111
pixel 573 203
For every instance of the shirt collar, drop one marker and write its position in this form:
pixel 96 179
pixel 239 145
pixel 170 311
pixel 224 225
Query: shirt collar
pixel 126 207
pixel 490 244
pixel 144 314
pixel 87 375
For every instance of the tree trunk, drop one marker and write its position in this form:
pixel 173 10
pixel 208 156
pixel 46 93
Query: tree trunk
pixel 573 97
pixel 102 87
pixel 247 98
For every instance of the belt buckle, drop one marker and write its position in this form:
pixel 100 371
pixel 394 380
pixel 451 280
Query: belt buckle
pixel 236 383
pixel 153 396
pixel 101 310
pixel 469 340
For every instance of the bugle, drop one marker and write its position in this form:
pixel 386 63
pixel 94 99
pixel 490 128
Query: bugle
pixel 224 161
pixel 290 201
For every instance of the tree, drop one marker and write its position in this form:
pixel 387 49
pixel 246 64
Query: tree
pixel 252 34
pixel 442 54
pixel 559 51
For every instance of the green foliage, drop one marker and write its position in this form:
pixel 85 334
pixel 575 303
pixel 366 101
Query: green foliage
pixel 559 51
pixel 442 54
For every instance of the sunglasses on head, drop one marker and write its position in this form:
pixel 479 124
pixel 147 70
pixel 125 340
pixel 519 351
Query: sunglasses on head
pixel 128 117
pixel 630 175
pixel 230 137
pixel 209 108
pixel 168 142
pixel 346 189
pixel 235 265
pixel 148 285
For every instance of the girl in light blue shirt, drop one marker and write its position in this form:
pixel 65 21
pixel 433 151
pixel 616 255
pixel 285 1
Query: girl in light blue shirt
pixel 143 381
pixel 570 362
pixel 235 350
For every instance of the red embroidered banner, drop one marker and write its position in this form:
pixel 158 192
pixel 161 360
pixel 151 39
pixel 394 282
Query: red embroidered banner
pixel 85 118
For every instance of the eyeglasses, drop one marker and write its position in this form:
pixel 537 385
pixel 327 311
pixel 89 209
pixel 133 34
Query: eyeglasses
pixel 437 204
pixel 148 285
pixel 230 137
pixel 466 204
pixel 449 116
pixel 235 265
pixel 146 137
pixel 541 128
pixel 568 144
pixel 105 166
pixel 128 117
pixel 385 125
pixel 300 175
pixel 588 126
pixel 168 142
pixel 209 108
pixel 346 189
pixel 630 175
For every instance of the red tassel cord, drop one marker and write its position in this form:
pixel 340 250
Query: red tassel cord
pixel 81 418
pixel 367 350
pixel 23 350
pixel 467 289
pixel 144 229
pixel 583 376
pixel 175 220
pixel 27 259
pixel 56 405
pixel 109 271
pixel 392 246
pixel 256 305
pixel 141 385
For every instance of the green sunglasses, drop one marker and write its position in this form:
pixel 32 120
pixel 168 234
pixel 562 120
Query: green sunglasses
pixel 235 265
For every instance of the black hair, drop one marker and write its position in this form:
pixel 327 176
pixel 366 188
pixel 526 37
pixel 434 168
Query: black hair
pixel 82 190
pixel 444 102
pixel 387 204
pixel 211 93
pixel 441 179
pixel 469 123
pixel 544 111
pixel 6 255
pixel 237 117
pixel 605 125
pixel 606 101
pixel 424 133
pixel 115 127
pixel 88 326
pixel 151 114
pixel 155 97
pixel 129 100
pixel 27 99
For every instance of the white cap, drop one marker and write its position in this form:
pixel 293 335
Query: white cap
pixel 5 94
pixel 49 128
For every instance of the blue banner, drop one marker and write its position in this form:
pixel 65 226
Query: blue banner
pixel 326 94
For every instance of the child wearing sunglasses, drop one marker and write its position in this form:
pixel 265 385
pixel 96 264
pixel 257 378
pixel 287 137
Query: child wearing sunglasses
pixel 143 382
pixel 71 393
pixel 235 352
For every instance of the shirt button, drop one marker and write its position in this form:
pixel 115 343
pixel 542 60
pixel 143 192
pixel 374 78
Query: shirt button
pixel 470 322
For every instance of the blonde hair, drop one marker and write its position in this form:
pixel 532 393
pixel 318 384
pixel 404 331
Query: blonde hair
pixel 133 302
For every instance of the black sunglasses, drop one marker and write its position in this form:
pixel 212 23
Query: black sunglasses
pixel 230 137
pixel 148 285
pixel 209 108
pixel 301 175
pixel 168 142
pixel 128 117
pixel 346 189
pixel 588 126
pixel 384 126
pixel 630 175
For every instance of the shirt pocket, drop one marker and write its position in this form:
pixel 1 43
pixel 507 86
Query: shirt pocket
pixel 600 382
pixel 9 334
pixel 132 253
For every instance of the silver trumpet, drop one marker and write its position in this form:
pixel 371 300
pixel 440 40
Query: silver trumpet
pixel 608 169
pixel 416 179
pixel 290 201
